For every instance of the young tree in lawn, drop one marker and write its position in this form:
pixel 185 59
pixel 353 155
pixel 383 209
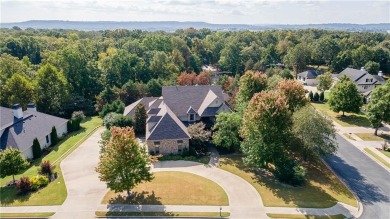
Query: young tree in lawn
pixel 140 117
pixel 124 162
pixel 36 148
pixel 378 108
pixel 324 81
pixel 316 133
pixel 345 97
pixel 266 129
pixel 250 83
pixel 226 130
pixel 11 162
pixel 294 94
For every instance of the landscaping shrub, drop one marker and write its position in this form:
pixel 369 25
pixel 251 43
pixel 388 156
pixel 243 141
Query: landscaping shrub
pixel 290 172
pixel 38 182
pixel 311 96
pixel 46 168
pixel 117 107
pixel 185 152
pixel 316 97
pixel 54 136
pixel 23 185
pixel 322 96
pixel 118 120
pixel 37 151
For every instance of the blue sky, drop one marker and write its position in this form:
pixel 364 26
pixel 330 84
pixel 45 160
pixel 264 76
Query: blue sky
pixel 212 11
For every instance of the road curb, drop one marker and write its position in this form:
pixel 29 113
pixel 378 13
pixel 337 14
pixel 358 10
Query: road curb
pixel 377 161
pixel 360 205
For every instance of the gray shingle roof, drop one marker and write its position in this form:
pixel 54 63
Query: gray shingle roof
pixel 180 98
pixel 154 110
pixel 361 77
pixel 130 109
pixel 22 132
pixel 353 74
pixel 309 74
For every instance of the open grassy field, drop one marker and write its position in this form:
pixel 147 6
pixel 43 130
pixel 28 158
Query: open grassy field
pixel 297 216
pixel 321 190
pixel 384 162
pixel 55 192
pixel 172 188
pixel 372 137
pixel 349 120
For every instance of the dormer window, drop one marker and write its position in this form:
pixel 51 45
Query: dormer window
pixel 192 117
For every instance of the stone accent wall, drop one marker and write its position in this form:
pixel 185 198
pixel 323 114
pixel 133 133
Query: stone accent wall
pixel 167 146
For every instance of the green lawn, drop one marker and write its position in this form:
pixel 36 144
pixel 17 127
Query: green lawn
pixel 349 136
pixel 27 215
pixel 172 188
pixel 55 192
pixel 372 137
pixel 387 153
pixel 297 216
pixel 170 214
pixel 384 162
pixel 349 120
pixel 322 189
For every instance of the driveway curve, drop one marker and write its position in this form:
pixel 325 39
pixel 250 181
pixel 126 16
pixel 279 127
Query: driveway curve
pixel 244 201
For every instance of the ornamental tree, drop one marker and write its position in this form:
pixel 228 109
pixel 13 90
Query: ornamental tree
pixel 124 162
pixel 226 130
pixel 345 97
pixel 294 94
pixel 378 108
pixel 315 132
pixel 324 81
pixel 11 162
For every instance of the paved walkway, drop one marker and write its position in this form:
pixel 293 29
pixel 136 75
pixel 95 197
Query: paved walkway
pixel 85 191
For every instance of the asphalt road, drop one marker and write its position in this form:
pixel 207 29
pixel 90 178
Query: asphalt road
pixel 369 181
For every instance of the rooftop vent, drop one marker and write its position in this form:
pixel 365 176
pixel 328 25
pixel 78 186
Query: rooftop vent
pixel 380 73
pixel 362 69
pixel 32 107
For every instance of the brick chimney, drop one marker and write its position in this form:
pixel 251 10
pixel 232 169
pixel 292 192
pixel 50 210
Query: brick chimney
pixel 31 107
pixel 17 111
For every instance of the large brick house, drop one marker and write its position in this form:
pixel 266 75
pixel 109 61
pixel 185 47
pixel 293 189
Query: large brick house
pixel 178 107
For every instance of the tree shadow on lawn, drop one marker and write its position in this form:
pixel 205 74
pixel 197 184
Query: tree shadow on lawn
pixel 136 198
pixel 8 195
pixel 357 120
pixel 367 192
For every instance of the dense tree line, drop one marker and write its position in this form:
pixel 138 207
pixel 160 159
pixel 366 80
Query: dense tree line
pixel 66 70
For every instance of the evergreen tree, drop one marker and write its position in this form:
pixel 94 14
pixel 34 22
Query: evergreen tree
pixel 37 151
pixel 140 117
pixel 53 136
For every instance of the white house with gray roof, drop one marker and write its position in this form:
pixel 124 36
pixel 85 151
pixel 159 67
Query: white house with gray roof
pixel 19 128
pixel 179 106
pixel 364 81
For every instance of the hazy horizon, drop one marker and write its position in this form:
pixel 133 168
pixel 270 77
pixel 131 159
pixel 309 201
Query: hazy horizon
pixel 256 12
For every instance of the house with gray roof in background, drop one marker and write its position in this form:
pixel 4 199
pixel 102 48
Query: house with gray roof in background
pixel 178 107
pixel 19 128
pixel 365 82
pixel 308 77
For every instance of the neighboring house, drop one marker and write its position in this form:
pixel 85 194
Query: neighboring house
pixel 19 128
pixel 179 106
pixel 308 77
pixel 364 81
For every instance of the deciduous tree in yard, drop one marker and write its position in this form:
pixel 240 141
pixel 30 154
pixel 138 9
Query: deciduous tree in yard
pixel 266 129
pixel 124 162
pixel 250 83
pixel 226 130
pixel 11 162
pixel 294 93
pixel 324 81
pixel 316 133
pixel 199 136
pixel 345 97
pixel 378 108
pixel 140 117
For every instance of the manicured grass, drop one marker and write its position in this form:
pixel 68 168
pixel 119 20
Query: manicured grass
pixel 170 214
pixel 172 188
pixel 321 190
pixel 372 137
pixel 349 120
pixel 297 216
pixel 387 153
pixel 349 136
pixel 55 193
pixel 384 162
pixel 27 215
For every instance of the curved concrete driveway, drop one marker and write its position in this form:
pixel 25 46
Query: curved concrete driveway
pixel 244 201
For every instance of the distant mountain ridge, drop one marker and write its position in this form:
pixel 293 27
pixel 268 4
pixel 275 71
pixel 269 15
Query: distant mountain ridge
pixel 174 25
